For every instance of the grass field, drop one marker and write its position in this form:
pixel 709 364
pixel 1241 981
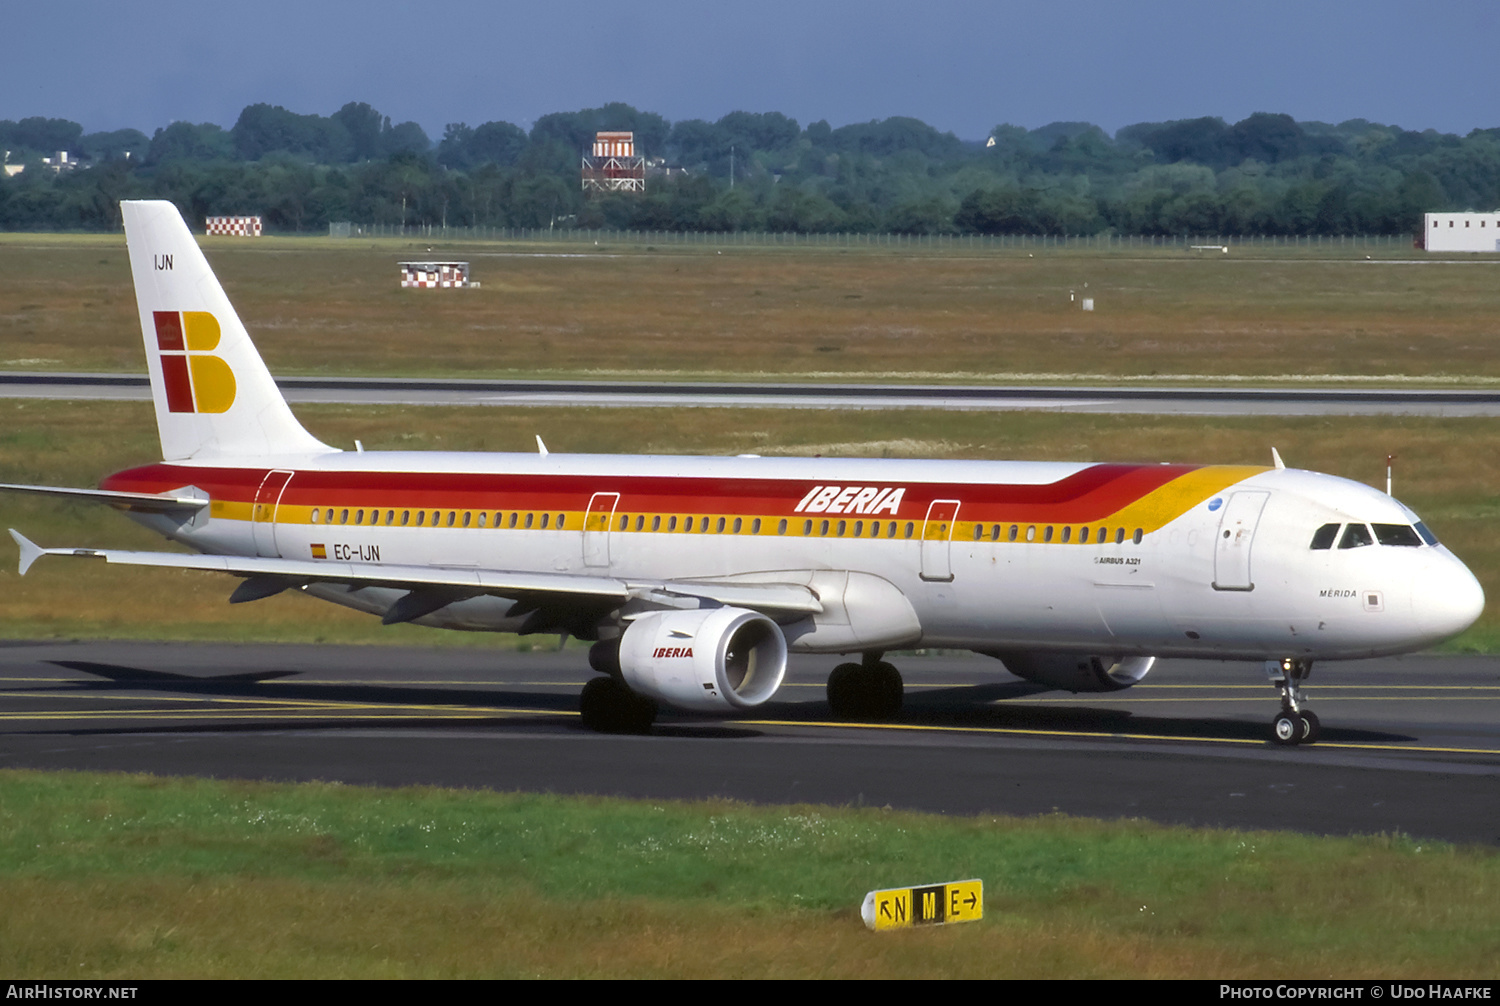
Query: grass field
pixel 140 878
pixel 1444 469
pixel 317 306
pixel 135 878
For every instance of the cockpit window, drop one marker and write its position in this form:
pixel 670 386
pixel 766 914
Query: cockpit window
pixel 1426 534
pixel 1323 536
pixel 1397 534
pixel 1356 535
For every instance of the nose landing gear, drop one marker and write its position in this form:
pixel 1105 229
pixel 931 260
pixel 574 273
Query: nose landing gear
pixel 1295 724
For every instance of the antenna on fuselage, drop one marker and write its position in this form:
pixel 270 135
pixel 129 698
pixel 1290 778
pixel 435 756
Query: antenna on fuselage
pixel 1388 459
pixel 1276 458
pixel 541 448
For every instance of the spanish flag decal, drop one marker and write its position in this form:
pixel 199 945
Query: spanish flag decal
pixel 319 552
pixel 196 380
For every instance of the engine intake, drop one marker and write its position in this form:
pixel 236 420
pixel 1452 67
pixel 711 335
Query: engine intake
pixel 1076 672
pixel 707 660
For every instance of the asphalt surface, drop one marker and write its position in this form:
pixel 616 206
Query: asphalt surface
pixel 1221 401
pixel 1410 745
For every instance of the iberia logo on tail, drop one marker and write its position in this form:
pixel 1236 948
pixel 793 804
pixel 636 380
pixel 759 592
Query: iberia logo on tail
pixel 196 380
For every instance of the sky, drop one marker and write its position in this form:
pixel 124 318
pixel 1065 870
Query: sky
pixel 960 65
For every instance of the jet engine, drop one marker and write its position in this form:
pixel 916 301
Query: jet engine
pixel 1076 672
pixel 706 660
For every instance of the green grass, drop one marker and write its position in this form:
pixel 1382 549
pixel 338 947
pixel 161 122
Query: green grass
pixel 139 877
pixel 795 313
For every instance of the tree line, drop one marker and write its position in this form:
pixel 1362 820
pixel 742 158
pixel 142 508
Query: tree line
pixel 1266 174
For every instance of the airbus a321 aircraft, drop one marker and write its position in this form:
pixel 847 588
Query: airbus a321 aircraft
pixel 696 576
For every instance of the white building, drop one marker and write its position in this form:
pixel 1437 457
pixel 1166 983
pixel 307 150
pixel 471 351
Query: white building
pixel 1461 232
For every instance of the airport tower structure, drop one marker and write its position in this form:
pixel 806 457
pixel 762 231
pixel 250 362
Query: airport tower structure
pixel 613 166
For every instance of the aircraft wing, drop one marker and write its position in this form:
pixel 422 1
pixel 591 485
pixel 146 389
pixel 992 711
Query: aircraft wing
pixel 267 576
pixel 144 502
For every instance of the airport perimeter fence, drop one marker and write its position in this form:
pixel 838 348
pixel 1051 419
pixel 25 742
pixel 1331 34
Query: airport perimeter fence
pixel 935 241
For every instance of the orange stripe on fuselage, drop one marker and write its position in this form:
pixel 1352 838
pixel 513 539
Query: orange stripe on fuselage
pixel 1144 496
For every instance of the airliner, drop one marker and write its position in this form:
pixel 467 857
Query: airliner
pixel 695 577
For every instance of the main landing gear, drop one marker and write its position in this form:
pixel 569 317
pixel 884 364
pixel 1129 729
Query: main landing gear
pixel 870 690
pixel 1295 724
pixel 609 707
pixel 607 704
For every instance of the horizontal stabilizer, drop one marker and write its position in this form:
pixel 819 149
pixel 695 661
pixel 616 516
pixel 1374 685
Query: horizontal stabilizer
pixel 143 502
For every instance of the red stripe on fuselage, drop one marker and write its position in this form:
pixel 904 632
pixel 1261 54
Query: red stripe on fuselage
pixel 1087 495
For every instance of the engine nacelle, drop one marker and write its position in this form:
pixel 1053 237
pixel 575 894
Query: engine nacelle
pixel 1076 672
pixel 706 660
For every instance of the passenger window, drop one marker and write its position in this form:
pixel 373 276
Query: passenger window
pixel 1012 532
pixel 1047 534
pixel 671 523
pixel 1403 535
pixel 719 526
pixel 738 523
pixel 1136 538
pixel 529 518
pixel 755 526
pixel 545 518
pixel 781 527
pixel 909 528
pixel 468 517
pixel 316 514
pixel 1067 534
pixel 656 523
pixel 1323 536
pixel 1355 536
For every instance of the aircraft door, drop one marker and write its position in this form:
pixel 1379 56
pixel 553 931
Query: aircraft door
pixel 596 528
pixel 937 538
pixel 1232 544
pixel 263 516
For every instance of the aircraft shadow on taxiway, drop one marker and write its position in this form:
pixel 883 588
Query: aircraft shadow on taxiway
pixel 978 707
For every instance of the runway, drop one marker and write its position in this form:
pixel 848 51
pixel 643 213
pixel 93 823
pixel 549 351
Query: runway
pixel 1210 401
pixel 1410 745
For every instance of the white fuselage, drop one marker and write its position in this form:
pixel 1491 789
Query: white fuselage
pixel 979 555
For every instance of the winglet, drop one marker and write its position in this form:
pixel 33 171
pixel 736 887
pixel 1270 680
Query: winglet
pixel 30 550
pixel 1276 458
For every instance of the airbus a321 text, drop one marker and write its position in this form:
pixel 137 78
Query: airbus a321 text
pixel 697 575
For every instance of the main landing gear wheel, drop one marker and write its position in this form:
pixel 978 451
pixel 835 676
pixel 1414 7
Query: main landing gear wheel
pixel 609 707
pixel 869 691
pixel 1295 724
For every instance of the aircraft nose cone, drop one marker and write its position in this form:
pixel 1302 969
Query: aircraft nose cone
pixel 1447 599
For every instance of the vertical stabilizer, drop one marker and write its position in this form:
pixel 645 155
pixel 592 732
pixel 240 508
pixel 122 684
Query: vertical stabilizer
pixel 213 394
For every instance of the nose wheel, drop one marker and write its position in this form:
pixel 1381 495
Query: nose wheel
pixel 1295 724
